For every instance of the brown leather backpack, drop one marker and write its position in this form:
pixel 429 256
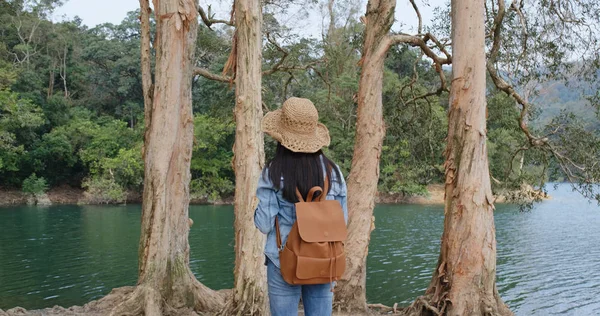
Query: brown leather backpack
pixel 314 251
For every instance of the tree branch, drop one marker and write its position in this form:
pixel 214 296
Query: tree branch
pixel 500 83
pixel 414 5
pixel 198 71
pixel 575 172
pixel 438 61
pixel 209 21
pixel 417 41
pixel 277 66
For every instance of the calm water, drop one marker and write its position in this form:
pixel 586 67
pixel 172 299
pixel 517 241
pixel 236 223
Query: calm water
pixel 548 259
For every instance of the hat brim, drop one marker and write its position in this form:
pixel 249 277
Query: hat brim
pixel 305 143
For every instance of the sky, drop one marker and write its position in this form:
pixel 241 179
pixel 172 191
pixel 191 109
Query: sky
pixel 94 12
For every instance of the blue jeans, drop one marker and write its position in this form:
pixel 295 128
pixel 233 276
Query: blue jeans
pixel 284 298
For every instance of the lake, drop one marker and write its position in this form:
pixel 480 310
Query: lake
pixel 548 258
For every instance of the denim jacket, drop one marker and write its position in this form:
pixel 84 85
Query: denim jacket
pixel 271 204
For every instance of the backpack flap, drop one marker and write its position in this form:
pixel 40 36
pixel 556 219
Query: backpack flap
pixel 308 268
pixel 321 221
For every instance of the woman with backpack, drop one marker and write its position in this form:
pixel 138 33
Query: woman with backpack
pixel 302 210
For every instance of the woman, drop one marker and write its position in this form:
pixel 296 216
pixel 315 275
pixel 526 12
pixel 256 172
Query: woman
pixel 298 163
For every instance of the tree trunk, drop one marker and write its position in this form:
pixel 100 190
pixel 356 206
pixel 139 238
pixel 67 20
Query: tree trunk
pixel 51 80
pixel 250 291
pixel 350 294
pixel 464 282
pixel 165 282
pixel 63 70
pixel 331 29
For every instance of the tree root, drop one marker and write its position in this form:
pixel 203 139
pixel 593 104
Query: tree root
pixel 140 300
pixel 144 300
pixel 249 302
pixel 421 307
pixel 384 308
pixel 208 300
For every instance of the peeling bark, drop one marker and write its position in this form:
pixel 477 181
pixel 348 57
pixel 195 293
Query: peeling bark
pixel 165 282
pixel 350 293
pixel 249 295
pixel 464 282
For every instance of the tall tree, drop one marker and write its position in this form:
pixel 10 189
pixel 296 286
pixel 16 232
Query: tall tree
pixel 165 281
pixel 370 132
pixel 249 290
pixel 364 172
pixel 464 282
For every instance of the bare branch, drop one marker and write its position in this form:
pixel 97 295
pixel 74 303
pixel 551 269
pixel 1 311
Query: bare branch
pixel 209 21
pixel 493 55
pixel 499 82
pixel 439 45
pixel 420 28
pixel 286 85
pixel 420 42
pixel 438 61
pixel 199 71
pixel 212 76
pixel 285 53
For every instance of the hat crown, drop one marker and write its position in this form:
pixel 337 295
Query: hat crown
pixel 300 115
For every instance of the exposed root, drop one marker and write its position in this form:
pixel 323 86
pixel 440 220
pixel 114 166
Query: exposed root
pixel 208 300
pixel 140 300
pixel 421 306
pixel 249 301
pixel 383 308
pixel 133 304
pixel 350 296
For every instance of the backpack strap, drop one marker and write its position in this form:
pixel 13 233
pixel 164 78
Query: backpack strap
pixel 277 233
pixel 309 198
pixel 313 190
pixel 325 190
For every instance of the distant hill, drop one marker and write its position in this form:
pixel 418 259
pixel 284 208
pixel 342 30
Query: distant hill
pixel 556 96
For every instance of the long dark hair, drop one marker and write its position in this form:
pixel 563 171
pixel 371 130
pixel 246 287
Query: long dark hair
pixel 301 170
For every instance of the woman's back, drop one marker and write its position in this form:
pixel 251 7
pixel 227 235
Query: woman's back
pixel 299 164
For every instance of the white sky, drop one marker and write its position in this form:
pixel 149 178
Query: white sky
pixel 94 12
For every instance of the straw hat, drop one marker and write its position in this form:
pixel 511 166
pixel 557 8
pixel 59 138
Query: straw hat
pixel 296 126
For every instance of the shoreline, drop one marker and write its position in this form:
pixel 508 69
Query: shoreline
pixel 65 195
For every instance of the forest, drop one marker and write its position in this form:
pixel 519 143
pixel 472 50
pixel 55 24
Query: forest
pixel 72 106
pixel 453 103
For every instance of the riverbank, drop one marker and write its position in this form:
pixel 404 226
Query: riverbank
pixel 66 195
pixel 435 195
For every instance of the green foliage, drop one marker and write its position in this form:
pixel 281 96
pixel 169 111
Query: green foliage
pixel 105 139
pixel 212 158
pixel 100 190
pixel 127 167
pixel 576 158
pixel 412 150
pixel 19 119
pixel 35 185
pixel 504 139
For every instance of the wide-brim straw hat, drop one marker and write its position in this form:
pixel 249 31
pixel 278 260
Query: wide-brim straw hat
pixel 296 126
